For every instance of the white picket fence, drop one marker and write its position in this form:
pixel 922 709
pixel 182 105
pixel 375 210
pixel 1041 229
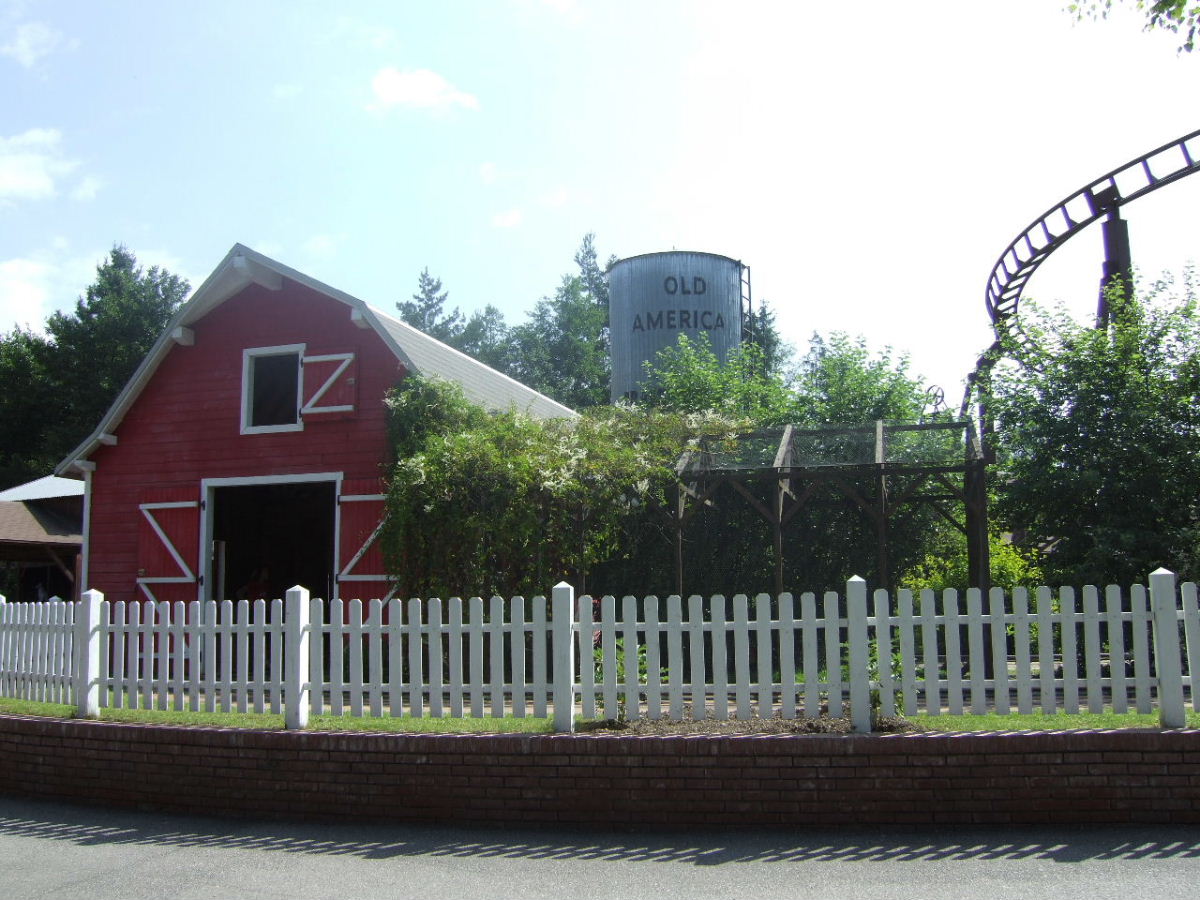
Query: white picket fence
pixel 1065 650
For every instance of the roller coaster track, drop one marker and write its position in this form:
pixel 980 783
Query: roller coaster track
pixel 1065 219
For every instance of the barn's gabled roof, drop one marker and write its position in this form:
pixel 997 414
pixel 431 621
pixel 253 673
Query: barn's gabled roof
pixel 417 351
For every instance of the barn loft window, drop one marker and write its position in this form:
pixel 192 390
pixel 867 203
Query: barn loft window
pixel 271 389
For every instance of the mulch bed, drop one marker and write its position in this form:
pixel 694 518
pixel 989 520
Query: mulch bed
pixel 773 725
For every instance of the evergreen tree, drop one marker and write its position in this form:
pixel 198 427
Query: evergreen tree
pixel 58 387
pixel 426 310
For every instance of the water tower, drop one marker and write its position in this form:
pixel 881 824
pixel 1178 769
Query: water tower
pixel 656 297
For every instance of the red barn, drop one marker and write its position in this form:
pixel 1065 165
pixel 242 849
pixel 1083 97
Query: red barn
pixel 245 455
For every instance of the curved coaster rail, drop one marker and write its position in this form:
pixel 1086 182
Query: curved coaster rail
pixel 1149 172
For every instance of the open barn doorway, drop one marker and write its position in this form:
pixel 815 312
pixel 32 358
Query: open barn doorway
pixel 268 537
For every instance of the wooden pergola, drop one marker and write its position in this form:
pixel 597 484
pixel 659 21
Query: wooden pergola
pixel 881 467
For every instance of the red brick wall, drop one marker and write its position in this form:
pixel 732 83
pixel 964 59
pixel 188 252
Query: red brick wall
pixel 813 781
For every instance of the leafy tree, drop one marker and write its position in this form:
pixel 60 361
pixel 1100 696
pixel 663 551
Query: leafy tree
pixel 426 310
pixel 690 377
pixel 485 336
pixel 1098 438
pixel 24 401
pixel 563 349
pixel 1179 16
pixel 82 363
pixel 503 503
pixel 764 334
pixel 841 383
pixel 595 279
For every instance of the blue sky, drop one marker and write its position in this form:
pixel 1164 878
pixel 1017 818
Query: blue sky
pixel 870 165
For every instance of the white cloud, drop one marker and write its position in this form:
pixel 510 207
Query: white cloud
pixel 24 293
pixel 508 219
pixel 87 188
pixel 32 41
pixel 417 89
pixel 30 163
pixel 555 198
pixel 487 173
pixel 323 245
pixel 377 37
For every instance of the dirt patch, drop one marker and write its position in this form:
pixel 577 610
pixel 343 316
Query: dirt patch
pixel 776 724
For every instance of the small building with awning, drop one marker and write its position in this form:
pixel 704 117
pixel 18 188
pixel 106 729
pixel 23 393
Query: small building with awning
pixel 41 537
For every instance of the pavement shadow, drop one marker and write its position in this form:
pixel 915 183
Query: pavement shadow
pixel 92 825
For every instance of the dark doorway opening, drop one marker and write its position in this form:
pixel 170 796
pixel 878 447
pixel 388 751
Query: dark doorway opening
pixel 269 537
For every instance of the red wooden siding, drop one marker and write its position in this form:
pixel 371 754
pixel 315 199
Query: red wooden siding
pixel 360 557
pixel 169 543
pixel 185 426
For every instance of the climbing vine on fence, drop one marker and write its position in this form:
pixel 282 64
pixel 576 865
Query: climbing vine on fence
pixel 506 504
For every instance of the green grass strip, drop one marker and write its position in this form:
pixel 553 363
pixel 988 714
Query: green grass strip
pixel 1044 722
pixel 11 707
pixel 482 725
pixel 267 721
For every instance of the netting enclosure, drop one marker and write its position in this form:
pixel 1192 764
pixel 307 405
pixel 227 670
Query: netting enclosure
pixel 881 467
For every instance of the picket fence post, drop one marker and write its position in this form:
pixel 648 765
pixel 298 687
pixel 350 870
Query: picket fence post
pixel 562 652
pixel 860 654
pixel 297 682
pixel 87 654
pixel 1164 605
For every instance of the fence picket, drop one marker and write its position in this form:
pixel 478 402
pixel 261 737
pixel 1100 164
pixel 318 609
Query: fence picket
pixel 375 654
pixel 337 685
pixel 932 683
pixel 496 646
pixel 608 658
pixel 1143 686
pixel 516 643
pixel 476 605
pixel 698 681
pixel 1092 650
pixel 787 656
pixel 908 651
pixel 675 655
pixel 1114 616
pixel 1045 636
pixel 952 626
pixel 631 652
pixel 416 699
pixel 811 656
pixel 436 658
pixel 765 652
pixel 318 630
pixel 1191 634
pixel 883 653
pixel 395 648
pixel 1070 658
pixel 226 652
pixel 454 611
pixel 540 637
pixel 1021 650
pixel 355 635
pixel 975 657
pixel 1001 688
pixel 653 665
pixel 833 653
pixel 741 656
pixel 720 666
pixel 587 633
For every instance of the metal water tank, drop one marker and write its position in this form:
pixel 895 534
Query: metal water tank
pixel 656 297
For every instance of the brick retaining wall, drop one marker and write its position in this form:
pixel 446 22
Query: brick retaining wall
pixel 810 780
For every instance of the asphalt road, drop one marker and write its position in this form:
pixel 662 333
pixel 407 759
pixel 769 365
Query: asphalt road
pixel 60 850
